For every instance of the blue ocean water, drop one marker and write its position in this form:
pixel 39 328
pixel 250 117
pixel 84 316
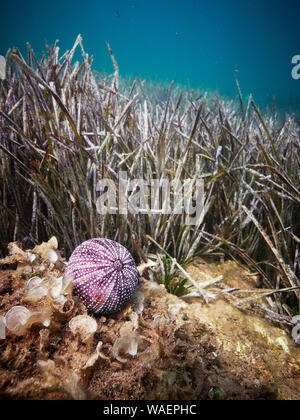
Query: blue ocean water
pixel 196 43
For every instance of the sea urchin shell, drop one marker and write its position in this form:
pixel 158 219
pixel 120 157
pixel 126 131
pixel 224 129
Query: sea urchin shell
pixel 104 275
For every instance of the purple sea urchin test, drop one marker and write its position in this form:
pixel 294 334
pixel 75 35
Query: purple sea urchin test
pixel 104 275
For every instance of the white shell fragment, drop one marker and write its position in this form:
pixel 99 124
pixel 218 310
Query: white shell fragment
pixel 37 289
pixel 31 257
pixel 125 344
pixel 138 303
pixel 33 282
pixel 61 292
pixel 53 379
pixel 51 255
pixel 16 319
pixel 85 326
pixel 95 356
pixel 2 328
pixel 66 288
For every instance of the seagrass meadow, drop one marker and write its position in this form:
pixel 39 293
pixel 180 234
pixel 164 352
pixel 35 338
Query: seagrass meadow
pixel 64 126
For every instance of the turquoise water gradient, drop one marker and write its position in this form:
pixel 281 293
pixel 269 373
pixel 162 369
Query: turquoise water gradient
pixel 193 42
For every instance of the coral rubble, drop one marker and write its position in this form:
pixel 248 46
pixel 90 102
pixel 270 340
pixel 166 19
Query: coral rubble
pixel 159 346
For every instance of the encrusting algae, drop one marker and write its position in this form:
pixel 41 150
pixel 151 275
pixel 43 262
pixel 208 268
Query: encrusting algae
pixel 159 346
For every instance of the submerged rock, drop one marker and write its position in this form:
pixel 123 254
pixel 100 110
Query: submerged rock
pixel 170 348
